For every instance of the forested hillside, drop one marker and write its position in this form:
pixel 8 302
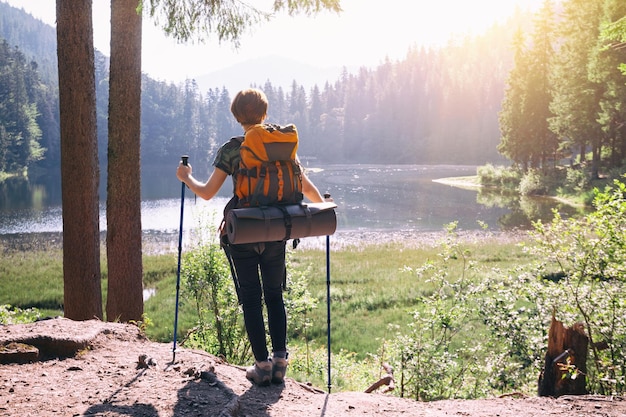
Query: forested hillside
pixel 566 94
pixel 33 38
pixel 434 106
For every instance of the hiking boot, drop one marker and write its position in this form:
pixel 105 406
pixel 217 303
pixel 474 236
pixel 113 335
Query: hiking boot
pixel 279 370
pixel 260 373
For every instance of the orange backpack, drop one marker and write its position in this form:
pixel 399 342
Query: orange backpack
pixel 268 172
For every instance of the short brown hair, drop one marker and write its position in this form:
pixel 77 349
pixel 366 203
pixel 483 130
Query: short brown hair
pixel 249 106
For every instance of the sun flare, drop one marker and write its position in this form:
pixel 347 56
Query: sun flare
pixel 364 34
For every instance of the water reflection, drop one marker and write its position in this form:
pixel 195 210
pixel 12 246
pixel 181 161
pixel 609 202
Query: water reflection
pixel 148 292
pixel 523 210
pixel 403 197
pixel 370 197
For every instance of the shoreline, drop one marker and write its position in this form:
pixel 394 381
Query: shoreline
pixel 468 182
pixel 160 243
pixel 356 240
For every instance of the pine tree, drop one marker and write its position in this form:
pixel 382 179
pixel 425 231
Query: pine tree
pixel 124 254
pixel 79 162
pixel 575 104
pixel 514 125
pixel 20 94
pixel 604 69
pixel 543 143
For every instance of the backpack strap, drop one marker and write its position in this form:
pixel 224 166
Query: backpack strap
pixel 297 182
pixel 287 221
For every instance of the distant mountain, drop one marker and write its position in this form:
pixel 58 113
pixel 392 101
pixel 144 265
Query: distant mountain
pixel 282 71
pixel 34 38
pixel 37 41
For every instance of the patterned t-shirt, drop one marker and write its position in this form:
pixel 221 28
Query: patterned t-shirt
pixel 227 158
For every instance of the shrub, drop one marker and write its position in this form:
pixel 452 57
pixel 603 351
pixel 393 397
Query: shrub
pixel 434 359
pixel 16 315
pixel 576 180
pixel 534 183
pixel 207 283
pixel 588 256
pixel 299 304
pixel 498 176
pixel 485 331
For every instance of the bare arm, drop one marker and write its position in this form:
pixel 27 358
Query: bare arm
pixel 205 190
pixel 310 191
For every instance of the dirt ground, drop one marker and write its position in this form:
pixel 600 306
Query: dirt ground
pixel 106 369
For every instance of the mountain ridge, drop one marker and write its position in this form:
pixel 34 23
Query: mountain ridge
pixel 38 42
pixel 279 70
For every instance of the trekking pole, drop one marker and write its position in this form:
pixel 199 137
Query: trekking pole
pixel 327 196
pixel 185 160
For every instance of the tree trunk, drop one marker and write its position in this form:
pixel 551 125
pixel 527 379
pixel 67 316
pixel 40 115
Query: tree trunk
pixel 565 366
pixel 596 147
pixel 79 161
pixel 125 289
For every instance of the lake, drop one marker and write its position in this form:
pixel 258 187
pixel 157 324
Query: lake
pixel 369 198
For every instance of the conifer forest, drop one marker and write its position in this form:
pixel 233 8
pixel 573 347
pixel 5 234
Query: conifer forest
pixel 538 89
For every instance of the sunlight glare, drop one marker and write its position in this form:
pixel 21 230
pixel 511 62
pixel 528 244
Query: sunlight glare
pixel 364 34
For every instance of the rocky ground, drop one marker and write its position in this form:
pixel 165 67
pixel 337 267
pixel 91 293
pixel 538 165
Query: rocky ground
pixel 108 369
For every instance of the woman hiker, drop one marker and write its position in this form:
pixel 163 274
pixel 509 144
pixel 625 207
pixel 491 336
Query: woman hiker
pixel 260 267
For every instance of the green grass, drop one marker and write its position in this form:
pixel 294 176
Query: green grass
pixel 368 292
pixel 369 289
pixel 32 280
pixel 373 296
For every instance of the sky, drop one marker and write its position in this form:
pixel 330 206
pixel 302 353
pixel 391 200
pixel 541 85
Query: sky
pixel 364 34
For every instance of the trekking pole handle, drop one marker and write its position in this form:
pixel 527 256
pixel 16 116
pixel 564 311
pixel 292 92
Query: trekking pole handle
pixel 185 159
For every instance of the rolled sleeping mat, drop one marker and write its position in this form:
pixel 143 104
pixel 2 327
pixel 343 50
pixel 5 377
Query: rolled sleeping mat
pixel 272 223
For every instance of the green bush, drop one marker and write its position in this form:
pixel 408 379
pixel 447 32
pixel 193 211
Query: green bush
pixel 588 257
pixel 498 176
pixel 483 331
pixel 207 286
pixel 435 358
pixel 207 283
pixel 15 315
pixel 534 183
pixel 299 304
pixel 576 180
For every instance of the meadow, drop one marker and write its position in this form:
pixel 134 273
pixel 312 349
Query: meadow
pixel 456 316
pixel 370 286
pixel 373 292
pixel 373 286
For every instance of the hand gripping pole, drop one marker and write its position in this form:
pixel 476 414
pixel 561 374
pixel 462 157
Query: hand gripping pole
pixel 185 160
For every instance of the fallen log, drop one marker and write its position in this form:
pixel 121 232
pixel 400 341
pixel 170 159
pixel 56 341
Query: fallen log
pixel 387 380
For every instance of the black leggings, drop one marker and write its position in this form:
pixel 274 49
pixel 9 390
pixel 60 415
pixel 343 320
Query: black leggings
pixel 269 259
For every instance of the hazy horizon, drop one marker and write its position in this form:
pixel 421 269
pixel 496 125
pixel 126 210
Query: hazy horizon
pixel 364 34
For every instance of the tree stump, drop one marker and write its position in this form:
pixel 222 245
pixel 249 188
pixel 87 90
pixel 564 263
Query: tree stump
pixel 565 365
